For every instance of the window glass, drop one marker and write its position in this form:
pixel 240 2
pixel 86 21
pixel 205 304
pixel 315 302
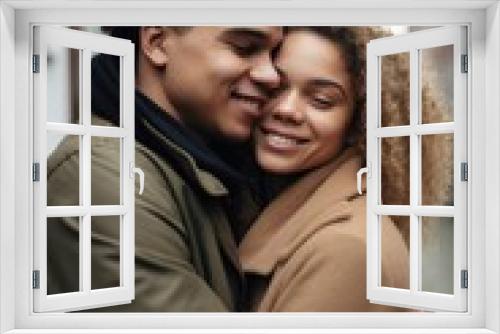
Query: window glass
pixel 106 90
pixel 63 236
pixel 395 168
pixel 395 86
pixel 106 171
pixel 105 243
pixel 437 254
pixel 63 181
pixel 394 275
pixel 437 84
pixel 63 84
pixel 437 169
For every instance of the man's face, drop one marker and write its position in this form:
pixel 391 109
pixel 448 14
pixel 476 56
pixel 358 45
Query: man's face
pixel 218 78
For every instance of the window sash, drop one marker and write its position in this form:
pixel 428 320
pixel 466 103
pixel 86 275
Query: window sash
pixel 86 43
pixel 414 298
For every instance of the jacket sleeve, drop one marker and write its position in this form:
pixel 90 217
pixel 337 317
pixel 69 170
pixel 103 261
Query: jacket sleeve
pixel 327 274
pixel 165 278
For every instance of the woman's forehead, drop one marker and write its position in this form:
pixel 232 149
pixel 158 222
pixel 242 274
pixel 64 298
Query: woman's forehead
pixel 305 55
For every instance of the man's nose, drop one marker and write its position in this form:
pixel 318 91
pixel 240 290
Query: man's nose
pixel 264 73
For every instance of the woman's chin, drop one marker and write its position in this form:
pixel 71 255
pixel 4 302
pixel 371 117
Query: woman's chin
pixel 276 164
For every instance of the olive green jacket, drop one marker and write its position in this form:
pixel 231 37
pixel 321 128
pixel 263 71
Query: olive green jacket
pixel 185 254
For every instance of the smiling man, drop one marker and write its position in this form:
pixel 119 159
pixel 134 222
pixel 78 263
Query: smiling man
pixel 215 78
pixel 198 92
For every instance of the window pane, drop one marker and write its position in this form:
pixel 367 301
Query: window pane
pixel 437 84
pixel 63 179
pixel 395 89
pixel 105 244
pixel 437 254
pixel 63 237
pixel 392 227
pixel 63 85
pixel 395 167
pixel 106 171
pixel 105 88
pixel 437 169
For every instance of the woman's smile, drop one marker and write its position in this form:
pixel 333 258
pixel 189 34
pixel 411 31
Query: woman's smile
pixel 280 139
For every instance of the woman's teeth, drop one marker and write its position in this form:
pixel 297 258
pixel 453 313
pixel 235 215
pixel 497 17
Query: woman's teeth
pixel 277 140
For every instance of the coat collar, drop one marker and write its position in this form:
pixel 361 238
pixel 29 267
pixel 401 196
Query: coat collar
pixel 319 198
pixel 188 166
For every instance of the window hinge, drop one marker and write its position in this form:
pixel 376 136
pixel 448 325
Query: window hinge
pixel 464 171
pixel 36 279
pixel 36 172
pixel 36 63
pixel 465 64
pixel 464 280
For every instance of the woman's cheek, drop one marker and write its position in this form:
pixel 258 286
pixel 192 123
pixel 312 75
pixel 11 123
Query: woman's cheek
pixel 329 135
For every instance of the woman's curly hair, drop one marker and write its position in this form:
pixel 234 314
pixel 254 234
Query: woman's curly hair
pixel 437 151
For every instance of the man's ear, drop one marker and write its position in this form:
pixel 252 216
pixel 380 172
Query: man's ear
pixel 154 44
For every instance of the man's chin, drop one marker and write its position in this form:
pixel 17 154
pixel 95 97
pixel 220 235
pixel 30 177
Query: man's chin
pixel 237 133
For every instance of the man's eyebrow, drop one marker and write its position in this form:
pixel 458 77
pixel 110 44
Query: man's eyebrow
pixel 247 32
pixel 322 82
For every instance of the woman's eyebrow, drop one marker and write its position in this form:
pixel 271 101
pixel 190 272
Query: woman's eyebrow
pixel 322 82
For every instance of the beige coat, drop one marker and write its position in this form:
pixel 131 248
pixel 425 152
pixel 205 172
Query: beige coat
pixel 307 250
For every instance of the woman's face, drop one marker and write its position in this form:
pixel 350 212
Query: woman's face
pixel 305 123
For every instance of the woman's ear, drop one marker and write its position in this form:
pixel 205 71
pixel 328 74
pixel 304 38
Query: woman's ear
pixel 153 42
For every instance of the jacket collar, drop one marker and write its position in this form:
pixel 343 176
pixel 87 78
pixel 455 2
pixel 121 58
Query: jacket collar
pixel 189 155
pixel 185 164
pixel 319 198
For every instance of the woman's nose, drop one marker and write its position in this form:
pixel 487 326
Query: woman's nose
pixel 288 108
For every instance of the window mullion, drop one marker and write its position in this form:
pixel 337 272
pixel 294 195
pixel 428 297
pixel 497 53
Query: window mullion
pixel 85 179
pixel 415 246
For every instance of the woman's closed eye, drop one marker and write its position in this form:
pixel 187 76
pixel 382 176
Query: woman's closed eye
pixel 325 93
pixel 322 101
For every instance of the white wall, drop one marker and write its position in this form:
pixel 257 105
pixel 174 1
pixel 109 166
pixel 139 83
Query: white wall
pixel 493 163
pixel 7 175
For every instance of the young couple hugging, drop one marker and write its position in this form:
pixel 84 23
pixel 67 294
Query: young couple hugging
pixel 250 140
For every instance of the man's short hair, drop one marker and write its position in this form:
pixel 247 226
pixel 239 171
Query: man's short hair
pixel 132 34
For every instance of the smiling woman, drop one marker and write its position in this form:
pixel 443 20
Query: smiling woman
pixel 313 235
pixel 307 250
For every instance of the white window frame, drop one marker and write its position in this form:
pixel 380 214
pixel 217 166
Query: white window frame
pixel 16 19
